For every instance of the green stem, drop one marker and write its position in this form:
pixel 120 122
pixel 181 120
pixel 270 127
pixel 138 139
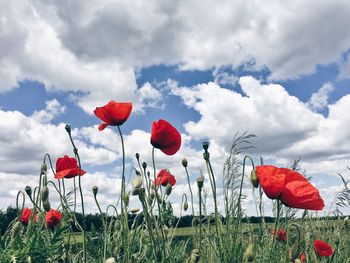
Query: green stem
pixel 189 186
pixel 159 209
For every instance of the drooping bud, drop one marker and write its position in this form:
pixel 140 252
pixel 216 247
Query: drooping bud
pixel 254 179
pixel 168 189
pixel 185 206
pixel 249 253
pixel 28 190
pixel 95 190
pixel 45 194
pixel 144 165
pixel 137 155
pixel 137 182
pixel 68 128
pixel 134 210
pixel 200 181
pixel 184 162
pixel 46 206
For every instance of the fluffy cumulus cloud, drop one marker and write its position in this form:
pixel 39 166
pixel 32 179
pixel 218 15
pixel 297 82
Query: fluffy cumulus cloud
pixel 94 48
pixel 319 99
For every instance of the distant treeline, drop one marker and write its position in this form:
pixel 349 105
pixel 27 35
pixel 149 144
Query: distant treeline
pixel 94 221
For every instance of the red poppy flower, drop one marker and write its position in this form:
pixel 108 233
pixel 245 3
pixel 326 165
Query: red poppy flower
pixel 53 218
pixel 281 235
pixel 25 216
pixel 165 137
pixel 322 249
pixel 114 113
pixel 164 177
pixel 302 257
pixel 67 167
pixel 289 186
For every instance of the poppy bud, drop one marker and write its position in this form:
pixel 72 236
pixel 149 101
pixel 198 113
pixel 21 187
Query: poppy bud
pixel 200 181
pixel 254 179
pixel 137 182
pixel 137 155
pixel 126 199
pixel 134 210
pixel 346 220
pixel 46 205
pixel 185 206
pixel 168 189
pixel 16 228
pixel 43 168
pixel 144 165
pixel 28 190
pixel 205 146
pixel 95 190
pixel 45 194
pixel 249 253
pixel 68 128
pixel 184 162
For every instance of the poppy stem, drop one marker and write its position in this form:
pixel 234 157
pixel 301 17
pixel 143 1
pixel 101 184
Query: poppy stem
pixel 23 200
pixel 75 150
pixel 189 186
pixel 159 210
pixel 124 214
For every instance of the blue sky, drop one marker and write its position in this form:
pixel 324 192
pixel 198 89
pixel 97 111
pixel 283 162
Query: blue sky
pixel 269 69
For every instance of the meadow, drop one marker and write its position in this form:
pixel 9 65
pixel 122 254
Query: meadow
pixel 41 233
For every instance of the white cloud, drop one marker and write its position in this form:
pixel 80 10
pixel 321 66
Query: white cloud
pixel 52 110
pixel 319 99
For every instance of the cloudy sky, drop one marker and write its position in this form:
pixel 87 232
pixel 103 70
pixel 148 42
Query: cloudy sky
pixel 280 71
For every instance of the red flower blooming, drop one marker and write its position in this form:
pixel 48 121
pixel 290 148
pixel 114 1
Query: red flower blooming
pixel 25 216
pixel 322 249
pixel 164 177
pixel 114 113
pixel 289 186
pixel 281 235
pixel 67 167
pixel 53 218
pixel 165 137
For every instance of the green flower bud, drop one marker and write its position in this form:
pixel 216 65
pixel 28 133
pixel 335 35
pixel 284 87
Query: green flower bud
pixel 68 128
pixel 254 179
pixel 95 190
pixel 28 190
pixel 185 206
pixel 45 194
pixel 205 146
pixel 137 155
pixel 144 165
pixel 168 189
pixel 184 162
pixel 46 205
